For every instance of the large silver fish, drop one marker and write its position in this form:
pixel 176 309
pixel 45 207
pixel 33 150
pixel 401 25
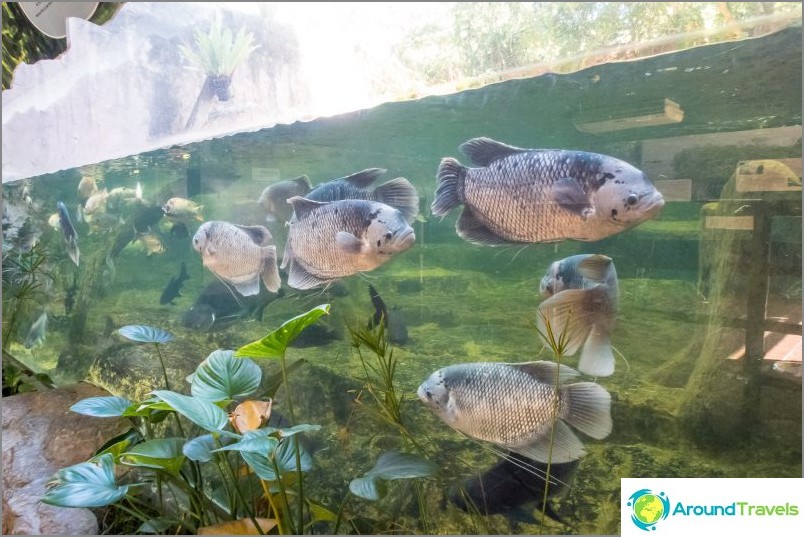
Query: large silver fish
pixel 274 199
pixel 68 232
pixel 542 195
pixel 398 193
pixel 515 405
pixel 582 296
pixel 239 255
pixel 328 241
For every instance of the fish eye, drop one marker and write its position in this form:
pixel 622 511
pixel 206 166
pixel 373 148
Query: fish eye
pixel 631 199
pixel 388 236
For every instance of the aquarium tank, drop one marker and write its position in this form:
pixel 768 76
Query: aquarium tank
pixel 436 268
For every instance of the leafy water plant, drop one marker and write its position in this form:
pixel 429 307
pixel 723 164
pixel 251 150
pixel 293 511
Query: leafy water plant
pixel 228 476
pixel 25 276
pixel 390 465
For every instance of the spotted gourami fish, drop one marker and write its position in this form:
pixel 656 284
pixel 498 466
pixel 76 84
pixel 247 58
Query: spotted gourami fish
pixel 398 193
pixel 239 255
pixel 68 232
pixel 182 209
pixel 541 195
pixel 514 406
pixel 328 241
pixel 274 199
pixel 582 295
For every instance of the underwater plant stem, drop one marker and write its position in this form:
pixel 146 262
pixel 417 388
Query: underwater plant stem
pixel 246 506
pixel 278 515
pixel 229 495
pixel 558 350
pixel 422 507
pixel 339 517
pixel 164 370
pixel 133 511
pixel 284 494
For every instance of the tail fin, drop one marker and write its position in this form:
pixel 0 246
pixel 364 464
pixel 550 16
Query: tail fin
pixel 597 359
pixel 449 192
pixel 589 409
pixel 270 272
pixel 401 195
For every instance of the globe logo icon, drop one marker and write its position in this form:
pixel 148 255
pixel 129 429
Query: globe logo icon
pixel 648 508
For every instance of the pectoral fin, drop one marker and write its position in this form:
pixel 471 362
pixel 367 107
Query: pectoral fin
pixel 567 192
pixel 348 242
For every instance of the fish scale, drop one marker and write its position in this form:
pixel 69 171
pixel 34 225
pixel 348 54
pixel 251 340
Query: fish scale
pixel 512 413
pixel 508 201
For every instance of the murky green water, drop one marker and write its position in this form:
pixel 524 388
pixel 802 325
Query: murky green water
pixel 689 286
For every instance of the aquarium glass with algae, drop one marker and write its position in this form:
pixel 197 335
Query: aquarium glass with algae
pixel 611 218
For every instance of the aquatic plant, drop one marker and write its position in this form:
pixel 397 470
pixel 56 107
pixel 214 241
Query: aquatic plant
pixel 25 277
pixel 390 465
pixel 217 52
pixel 228 475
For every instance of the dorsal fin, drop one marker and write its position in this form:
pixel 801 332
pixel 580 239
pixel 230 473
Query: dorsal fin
pixel 259 234
pixel 595 267
pixel 304 181
pixel 545 371
pixel 484 151
pixel 302 206
pixel 364 178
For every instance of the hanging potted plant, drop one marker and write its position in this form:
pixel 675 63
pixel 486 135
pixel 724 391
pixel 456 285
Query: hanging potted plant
pixel 217 53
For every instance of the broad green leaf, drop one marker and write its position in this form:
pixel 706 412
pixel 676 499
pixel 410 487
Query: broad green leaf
pixel 120 443
pixel 396 465
pixel 262 445
pixel 321 513
pixel 285 457
pixel 102 407
pixel 221 376
pixel 390 465
pixel 206 415
pixel 274 344
pixel 296 429
pixel 199 448
pixel 145 334
pixel 158 526
pixel 87 484
pixel 163 453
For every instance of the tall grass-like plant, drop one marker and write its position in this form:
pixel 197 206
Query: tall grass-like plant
pixel 217 52
pixel 25 275
pixel 209 474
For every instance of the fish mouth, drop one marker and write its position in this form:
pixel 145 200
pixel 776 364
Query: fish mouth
pixel 422 393
pixel 406 238
pixel 653 205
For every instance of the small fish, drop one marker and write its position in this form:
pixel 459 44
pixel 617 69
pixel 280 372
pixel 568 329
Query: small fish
pixel 398 193
pixel 512 406
pixel 395 327
pixel 120 195
pixel 36 334
pixel 179 229
pixel 333 240
pixel 96 202
pixel 27 198
pixel 218 307
pixel 514 487
pixel 68 231
pixel 173 286
pixel 53 221
pixel 182 209
pixel 239 255
pixel 86 187
pixel 582 295
pixel 151 243
pixel 274 198
pixel 541 195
